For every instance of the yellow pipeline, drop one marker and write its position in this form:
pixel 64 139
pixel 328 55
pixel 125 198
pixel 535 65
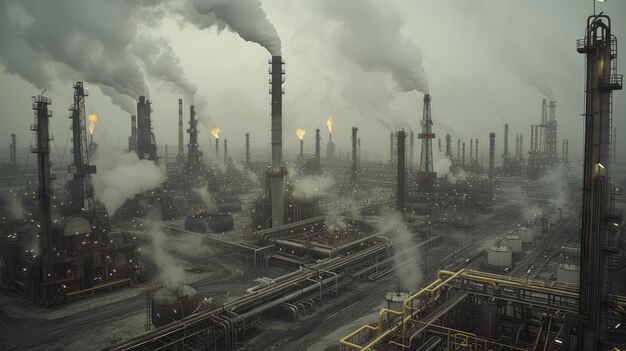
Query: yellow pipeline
pixel 381 314
pixel 344 341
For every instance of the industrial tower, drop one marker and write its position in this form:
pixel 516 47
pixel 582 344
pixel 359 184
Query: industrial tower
pixel 41 127
pixel 426 175
pixel 80 186
pixel 277 171
pixel 146 145
pixel 194 155
pixel 599 217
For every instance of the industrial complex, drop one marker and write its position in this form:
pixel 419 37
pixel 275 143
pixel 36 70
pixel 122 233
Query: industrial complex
pixel 451 241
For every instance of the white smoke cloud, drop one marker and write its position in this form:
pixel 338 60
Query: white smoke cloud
pixel 245 17
pixel 312 186
pixel 120 176
pixel 169 272
pixel 15 207
pixel 206 197
pixel 555 179
pixel 370 37
pixel 407 254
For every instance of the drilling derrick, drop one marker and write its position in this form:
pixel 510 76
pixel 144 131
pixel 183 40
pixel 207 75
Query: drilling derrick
pixel 426 175
pixel 598 213
pixel 194 155
pixel 80 185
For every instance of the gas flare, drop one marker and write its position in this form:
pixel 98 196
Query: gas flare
pixel 93 118
pixel 216 132
pixel 329 124
pixel 300 133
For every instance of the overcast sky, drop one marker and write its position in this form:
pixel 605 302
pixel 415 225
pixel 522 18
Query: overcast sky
pixel 485 63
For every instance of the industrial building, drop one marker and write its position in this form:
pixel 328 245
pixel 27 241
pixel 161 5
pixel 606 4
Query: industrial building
pixel 216 245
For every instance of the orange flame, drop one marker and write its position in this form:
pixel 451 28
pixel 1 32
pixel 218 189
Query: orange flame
pixel 93 118
pixel 300 133
pixel 329 124
pixel 216 132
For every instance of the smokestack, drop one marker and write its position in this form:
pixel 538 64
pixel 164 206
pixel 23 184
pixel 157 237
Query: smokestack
pixel 401 180
pixel 476 151
pixel 521 145
pixel 181 146
pixel 532 137
pixel 353 173
pixel 132 140
pixel 194 155
pixel 411 137
pixel 277 172
pixel 318 164
pixel 42 115
pixel 391 158
pixel 217 148
pixel 225 151
pixel 13 151
pixel 471 155
pixel 439 140
pixel 463 157
pixel 537 144
pixel 492 154
pixel 301 148
pixel 448 146
pixel 506 139
pixel 248 150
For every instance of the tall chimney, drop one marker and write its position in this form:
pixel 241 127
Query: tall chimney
pixel 401 176
pixel 41 126
pixel 448 146
pixel 521 145
pixel 471 154
pixel 277 171
pixel 492 155
pixel 217 148
pixel 506 139
pixel 463 157
pixel 13 151
pixel 132 140
pixel 301 149
pixel 318 164
pixel 181 143
pixel 353 173
pixel 225 151
pixel 248 150
pixel 458 148
pixel 476 151
pixel 439 140
pixel 391 153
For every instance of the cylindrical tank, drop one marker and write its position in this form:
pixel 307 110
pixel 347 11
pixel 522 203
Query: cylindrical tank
pixel 173 303
pixel 514 242
pixel 526 234
pixel 499 256
pixel 394 301
pixel 568 273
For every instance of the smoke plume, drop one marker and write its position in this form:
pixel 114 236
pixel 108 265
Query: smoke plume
pixel 245 17
pixel 406 252
pixel 169 272
pixel 121 176
pixel 15 207
pixel 312 186
pixel 370 36
pixel 206 197
pixel 92 38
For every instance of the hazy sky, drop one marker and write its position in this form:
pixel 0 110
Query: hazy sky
pixel 487 62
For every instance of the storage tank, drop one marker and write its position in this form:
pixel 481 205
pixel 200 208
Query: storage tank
pixel 499 256
pixel 173 303
pixel 526 234
pixel 514 241
pixel 394 301
pixel 568 273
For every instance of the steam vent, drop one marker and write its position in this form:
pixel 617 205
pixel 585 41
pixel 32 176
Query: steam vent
pixel 362 176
